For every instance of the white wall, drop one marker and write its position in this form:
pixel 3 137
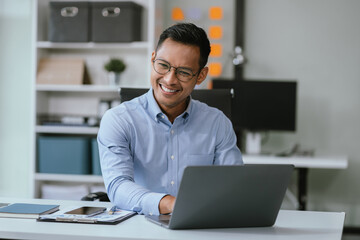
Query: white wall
pixel 15 97
pixel 318 43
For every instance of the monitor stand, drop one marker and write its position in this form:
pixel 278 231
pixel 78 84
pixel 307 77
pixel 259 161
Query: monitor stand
pixel 253 143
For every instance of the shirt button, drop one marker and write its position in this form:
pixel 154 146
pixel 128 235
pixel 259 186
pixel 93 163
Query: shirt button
pixel 162 116
pixel 172 157
pixel 172 182
pixel 172 131
pixel 150 213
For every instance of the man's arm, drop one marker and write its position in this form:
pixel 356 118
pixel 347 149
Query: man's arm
pixel 226 152
pixel 118 168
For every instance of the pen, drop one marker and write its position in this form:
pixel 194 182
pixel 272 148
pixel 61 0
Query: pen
pixel 112 210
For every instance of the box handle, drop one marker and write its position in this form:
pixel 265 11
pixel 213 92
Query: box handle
pixel 111 12
pixel 69 11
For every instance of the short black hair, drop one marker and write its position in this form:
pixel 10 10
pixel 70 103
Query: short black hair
pixel 189 34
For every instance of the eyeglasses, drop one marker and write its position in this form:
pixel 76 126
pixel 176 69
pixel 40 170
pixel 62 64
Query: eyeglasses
pixel 183 74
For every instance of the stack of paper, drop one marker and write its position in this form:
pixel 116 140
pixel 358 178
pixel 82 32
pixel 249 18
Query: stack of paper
pixel 111 216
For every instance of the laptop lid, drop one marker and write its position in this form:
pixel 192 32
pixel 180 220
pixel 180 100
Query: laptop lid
pixel 229 196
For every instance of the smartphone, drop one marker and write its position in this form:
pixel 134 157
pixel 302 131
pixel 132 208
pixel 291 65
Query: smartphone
pixel 90 211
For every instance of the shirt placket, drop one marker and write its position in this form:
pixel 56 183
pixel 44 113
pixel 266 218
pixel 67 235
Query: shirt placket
pixel 173 160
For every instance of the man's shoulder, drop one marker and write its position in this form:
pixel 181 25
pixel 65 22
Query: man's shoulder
pixel 201 112
pixel 203 108
pixel 129 107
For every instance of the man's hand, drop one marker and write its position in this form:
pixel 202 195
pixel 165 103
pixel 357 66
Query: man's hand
pixel 166 204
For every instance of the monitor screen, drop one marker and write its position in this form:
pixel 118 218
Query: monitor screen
pixel 261 105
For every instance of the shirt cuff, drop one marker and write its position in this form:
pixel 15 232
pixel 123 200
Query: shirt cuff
pixel 151 203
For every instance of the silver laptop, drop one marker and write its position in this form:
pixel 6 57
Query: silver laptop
pixel 228 197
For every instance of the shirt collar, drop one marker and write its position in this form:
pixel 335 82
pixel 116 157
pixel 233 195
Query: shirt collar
pixel 153 108
pixel 188 110
pixel 155 111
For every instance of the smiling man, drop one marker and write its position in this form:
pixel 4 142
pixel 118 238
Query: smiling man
pixel 146 143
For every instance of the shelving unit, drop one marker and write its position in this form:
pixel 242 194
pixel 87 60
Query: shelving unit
pixel 66 130
pixel 83 100
pixel 92 45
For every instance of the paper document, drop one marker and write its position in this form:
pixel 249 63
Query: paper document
pixel 106 217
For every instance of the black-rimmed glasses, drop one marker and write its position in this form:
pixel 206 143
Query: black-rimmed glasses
pixel 183 74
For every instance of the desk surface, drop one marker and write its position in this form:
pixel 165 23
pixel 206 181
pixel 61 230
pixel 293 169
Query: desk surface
pixel 289 225
pixel 325 162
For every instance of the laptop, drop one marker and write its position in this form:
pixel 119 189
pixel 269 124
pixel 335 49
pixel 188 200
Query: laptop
pixel 228 197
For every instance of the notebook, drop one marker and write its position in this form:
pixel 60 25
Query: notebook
pixel 228 197
pixel 27 210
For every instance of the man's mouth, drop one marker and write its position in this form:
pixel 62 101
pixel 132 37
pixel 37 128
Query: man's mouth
pixel 167 90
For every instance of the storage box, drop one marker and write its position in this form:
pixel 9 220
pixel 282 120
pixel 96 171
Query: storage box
pixel 69 21
pixel 64 192
pixel 116 22
pixel 61 71
pixel 95 159
pixel 64 155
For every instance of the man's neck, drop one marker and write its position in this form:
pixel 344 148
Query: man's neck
pixel 173 112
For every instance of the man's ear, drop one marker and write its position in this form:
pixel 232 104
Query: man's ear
pixel 153 56
pixel 202 75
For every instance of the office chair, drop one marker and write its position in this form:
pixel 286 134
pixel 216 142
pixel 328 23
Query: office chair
pixel 218 98
pixel 101 196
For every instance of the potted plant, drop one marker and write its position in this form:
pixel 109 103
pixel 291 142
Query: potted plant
pixel 114 67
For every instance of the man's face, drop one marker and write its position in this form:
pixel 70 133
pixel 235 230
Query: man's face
pixel 169 92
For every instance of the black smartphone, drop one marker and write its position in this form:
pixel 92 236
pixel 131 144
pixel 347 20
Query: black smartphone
pixel 87 211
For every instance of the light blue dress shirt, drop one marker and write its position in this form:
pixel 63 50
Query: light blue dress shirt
pixel 143 155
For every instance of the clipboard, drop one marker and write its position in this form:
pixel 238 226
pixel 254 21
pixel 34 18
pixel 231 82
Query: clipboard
pixel 109 217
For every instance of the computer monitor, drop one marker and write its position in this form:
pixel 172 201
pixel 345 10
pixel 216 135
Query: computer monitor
pixel 218 98
pixel 262 105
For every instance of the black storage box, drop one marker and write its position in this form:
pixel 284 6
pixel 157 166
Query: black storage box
pixel 69 21
pixel 116 22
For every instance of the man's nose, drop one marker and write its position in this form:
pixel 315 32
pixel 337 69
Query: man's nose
pixel 170 77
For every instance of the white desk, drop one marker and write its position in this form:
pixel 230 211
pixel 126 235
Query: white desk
pixel 294 225
pixel 302 164
pixel 340 162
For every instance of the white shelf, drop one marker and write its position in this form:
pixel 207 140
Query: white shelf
pixel 76 88
pixel 92 45
pixel 66 130
pixel 82 88
pixel 68 178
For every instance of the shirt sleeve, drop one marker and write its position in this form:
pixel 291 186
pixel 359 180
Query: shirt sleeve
pixel 226 151
pixel 118 168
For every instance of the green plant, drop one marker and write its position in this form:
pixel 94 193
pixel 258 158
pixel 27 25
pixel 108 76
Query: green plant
pixel 115 65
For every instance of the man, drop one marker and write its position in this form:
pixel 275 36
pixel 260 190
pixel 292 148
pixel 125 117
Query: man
pixel 146 143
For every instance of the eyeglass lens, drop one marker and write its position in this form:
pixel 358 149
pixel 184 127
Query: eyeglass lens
pixel 163 67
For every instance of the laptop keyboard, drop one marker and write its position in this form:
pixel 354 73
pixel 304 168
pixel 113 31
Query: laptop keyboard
pixel 164 219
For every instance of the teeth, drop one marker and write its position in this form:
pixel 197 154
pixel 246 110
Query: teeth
pixel 167 90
